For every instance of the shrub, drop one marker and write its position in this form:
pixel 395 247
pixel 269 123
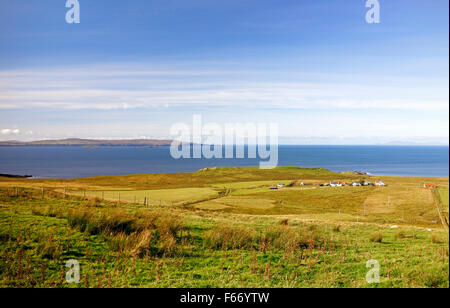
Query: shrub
pixel 284 222
pixel 337 228
pixel 131 234
pixel 376 237
pixel 288 239
pixel 312 228
pixel 96 202
pixel 435 239
pixel 169 225
pixel 168 244
pixel 79 219
pixel 135 244
pixel 400 235
pixel 49 248
pixel 37 211
pixel 112 222
pixel 226 237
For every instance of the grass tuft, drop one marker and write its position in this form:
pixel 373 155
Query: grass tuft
pixel 376 237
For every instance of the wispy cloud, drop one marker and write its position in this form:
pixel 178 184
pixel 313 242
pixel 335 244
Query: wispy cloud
pixel 127 87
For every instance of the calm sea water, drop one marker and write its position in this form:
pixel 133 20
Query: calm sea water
pixel 72 162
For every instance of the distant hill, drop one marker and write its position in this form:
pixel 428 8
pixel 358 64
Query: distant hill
pixel 89 142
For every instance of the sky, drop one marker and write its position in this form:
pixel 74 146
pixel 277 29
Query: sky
pixel 132 69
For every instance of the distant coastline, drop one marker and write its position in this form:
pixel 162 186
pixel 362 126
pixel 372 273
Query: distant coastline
pixel 14 176
pixel 89 142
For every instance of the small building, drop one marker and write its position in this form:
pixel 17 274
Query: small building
pixel 367 183
pixel 336 184
pixel 380 183
pixel 355 184
pixel 430 186
pixel 280 186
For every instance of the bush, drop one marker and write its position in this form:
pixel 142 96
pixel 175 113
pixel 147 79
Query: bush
pixel 96 202
pixel 226 237
pixel 289 239
pixel 284 222
pixel 112 222
pixel 135 244
pixel 337 228
pixel 79 219
pixel 169 225
pixel 49 248
pixel 131 234
pixel 376 237
pixel 168 244
pixel 400 235
pixel 435 239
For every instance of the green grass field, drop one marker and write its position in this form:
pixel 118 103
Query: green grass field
pixel 224 227
pixel 444 198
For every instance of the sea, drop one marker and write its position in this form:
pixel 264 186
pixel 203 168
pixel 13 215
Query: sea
pixel 76 161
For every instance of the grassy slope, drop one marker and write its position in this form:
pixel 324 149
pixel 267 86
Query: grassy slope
pixel 34 244
pixel 35 248
pixel 183 180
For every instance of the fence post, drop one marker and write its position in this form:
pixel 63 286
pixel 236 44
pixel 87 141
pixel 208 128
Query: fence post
pixel 43 193
pixel 64 193
pixel 145 201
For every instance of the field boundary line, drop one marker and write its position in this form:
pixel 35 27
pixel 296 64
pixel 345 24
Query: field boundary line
pixel 439 206
pixel 220 196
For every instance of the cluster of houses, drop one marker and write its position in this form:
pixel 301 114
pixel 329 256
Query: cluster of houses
pixel 378 183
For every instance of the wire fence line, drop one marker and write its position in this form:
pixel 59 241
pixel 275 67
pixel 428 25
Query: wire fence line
pixel 123 196
pixel 78 194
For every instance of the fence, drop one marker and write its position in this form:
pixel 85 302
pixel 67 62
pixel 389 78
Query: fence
pixel 77 194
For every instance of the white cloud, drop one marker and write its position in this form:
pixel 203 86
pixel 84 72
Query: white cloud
pixel 10 131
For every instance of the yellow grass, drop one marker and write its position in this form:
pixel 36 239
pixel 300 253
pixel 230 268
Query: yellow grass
pixel 404 201
pixel 238 203
pixel 163 196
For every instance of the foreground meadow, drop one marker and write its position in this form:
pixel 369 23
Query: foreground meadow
pixel 225 227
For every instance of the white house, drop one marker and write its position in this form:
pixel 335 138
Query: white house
pixel 380 183
pixel 335 184
pixel 355 184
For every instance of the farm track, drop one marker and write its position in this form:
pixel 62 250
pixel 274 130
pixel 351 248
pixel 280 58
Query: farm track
pixel 220 196
pixel 439 207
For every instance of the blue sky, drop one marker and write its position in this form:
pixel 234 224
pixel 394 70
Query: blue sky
pixel 133 68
